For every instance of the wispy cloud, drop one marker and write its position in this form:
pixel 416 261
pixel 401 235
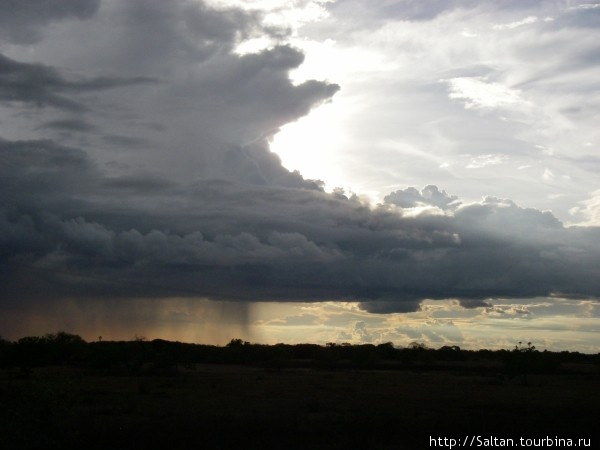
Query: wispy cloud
pixel 519 23
pixel 478 92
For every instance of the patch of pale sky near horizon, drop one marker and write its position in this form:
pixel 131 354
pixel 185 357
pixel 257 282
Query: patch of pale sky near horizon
pixel 553 324
pixel 438 323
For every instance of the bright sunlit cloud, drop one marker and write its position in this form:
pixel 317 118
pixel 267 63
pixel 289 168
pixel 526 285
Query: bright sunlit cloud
pixel 479 93
pixel 508 26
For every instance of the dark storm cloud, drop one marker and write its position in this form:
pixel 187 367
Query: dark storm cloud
pixel 156 34
pixel 63 228
pixel 200 207
pixel 22 21
pixel 137 183
pixel 124 141
pixel 41 85
pixel 255 164
pixel 215 108
pixel 68 125
pixel 240 99
pixel 473 303
pixel 34 84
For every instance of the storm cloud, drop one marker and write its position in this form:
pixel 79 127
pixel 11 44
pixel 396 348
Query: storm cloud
pixel 165 184
pixel 40 85
pixel 22 21
pixel 70 230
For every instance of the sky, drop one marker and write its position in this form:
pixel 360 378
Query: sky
pixel 302 171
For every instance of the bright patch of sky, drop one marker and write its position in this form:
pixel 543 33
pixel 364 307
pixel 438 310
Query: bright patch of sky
pixel 572 324
pixel 522 85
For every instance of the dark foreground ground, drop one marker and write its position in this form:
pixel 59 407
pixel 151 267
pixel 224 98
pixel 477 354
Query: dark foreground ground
pixel 205 406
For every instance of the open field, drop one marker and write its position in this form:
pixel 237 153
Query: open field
pixel 233 406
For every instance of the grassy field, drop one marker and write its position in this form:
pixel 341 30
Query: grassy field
pixel 225 406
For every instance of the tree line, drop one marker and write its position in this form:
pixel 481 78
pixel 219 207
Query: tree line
pixel 140 356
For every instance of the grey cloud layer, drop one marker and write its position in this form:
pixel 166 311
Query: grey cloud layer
pixel 68 230
pixel 429 195
pixel 22 21
pixel 40 85
pixel 168 188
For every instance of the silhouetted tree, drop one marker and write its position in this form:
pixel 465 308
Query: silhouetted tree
pixel 417 345
pixel 521 361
